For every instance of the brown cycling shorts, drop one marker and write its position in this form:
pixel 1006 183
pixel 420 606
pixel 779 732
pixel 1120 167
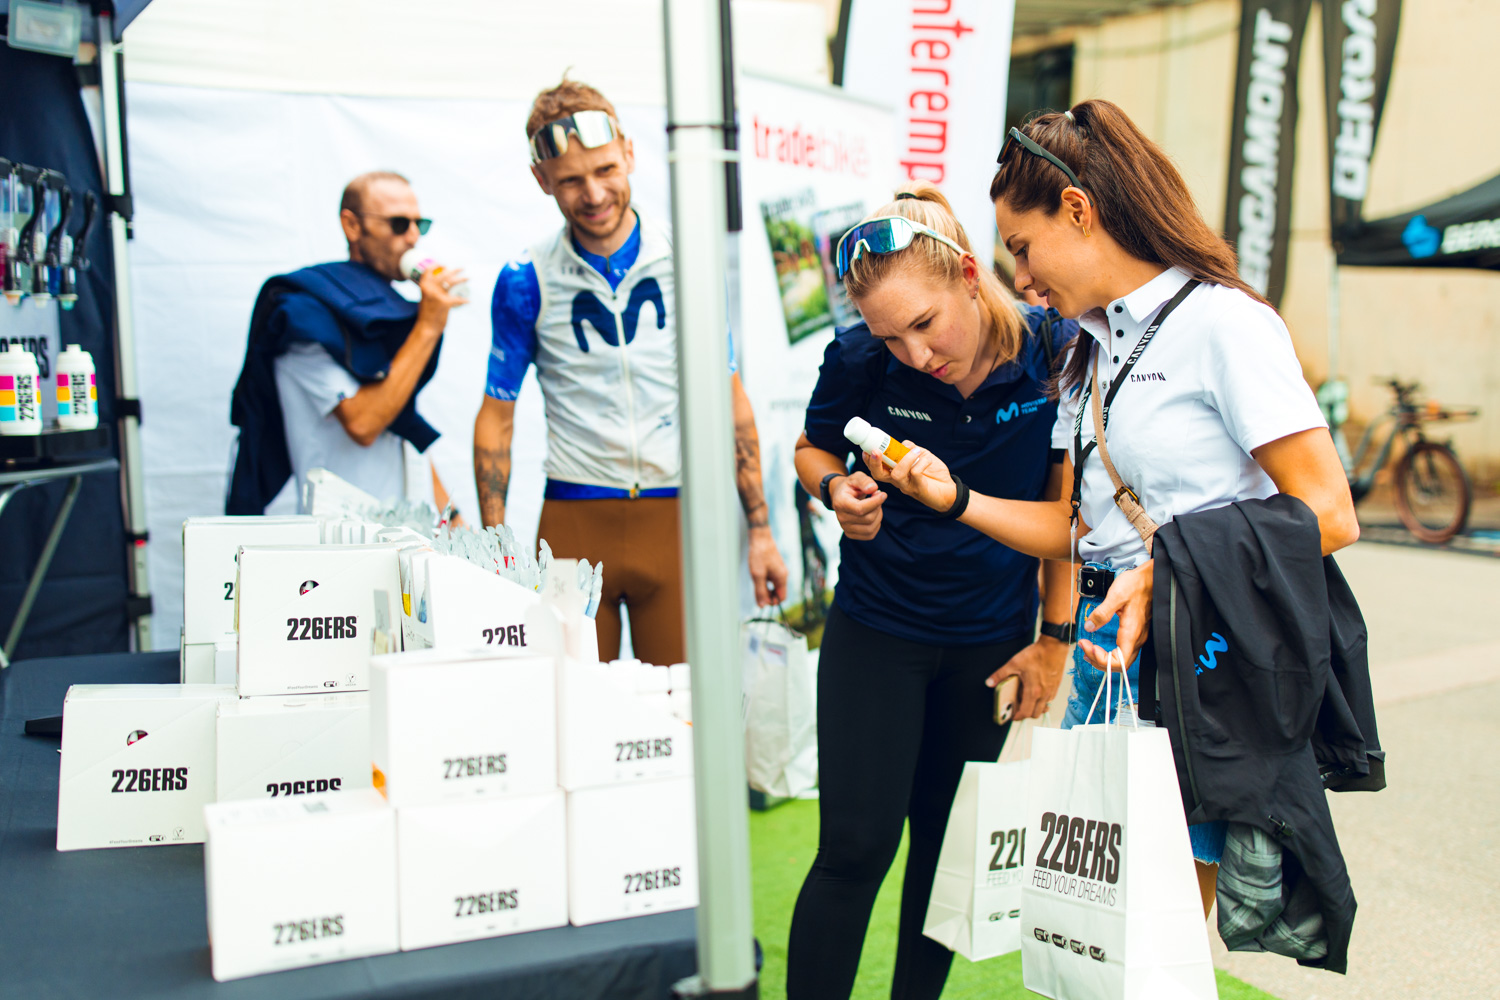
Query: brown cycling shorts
pixel 641 548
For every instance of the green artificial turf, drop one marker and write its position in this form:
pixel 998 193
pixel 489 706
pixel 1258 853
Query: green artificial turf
pixel 782 844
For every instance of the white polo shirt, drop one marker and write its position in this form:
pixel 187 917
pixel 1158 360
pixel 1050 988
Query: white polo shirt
pixel 1219 379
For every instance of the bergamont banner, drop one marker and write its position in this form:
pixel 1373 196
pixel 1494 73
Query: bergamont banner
pixel 1262 148
pixel 1359 40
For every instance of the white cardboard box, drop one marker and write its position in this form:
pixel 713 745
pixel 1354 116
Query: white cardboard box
pixel 308 616
pixel 464 723
pixel 276 747
pixel 299 881
pixel 632 849
pixel 226 658
pixel 481 868
pixel 197 661
pixel 456 605
pixel 137 764
pixel 209 546
pixel 608 733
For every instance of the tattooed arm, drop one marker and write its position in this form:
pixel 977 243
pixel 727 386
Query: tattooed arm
pixel 492 433
pixel 767 571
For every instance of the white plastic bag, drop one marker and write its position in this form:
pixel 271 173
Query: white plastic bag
pixel 975 907
pixel 1110 908
pixel 781 711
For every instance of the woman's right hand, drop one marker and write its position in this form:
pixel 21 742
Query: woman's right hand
pixel 857 503
pixel 920 475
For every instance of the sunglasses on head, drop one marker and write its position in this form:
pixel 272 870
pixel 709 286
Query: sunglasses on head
pixel 400 223
pixel 886 234
pixel 592 129
pixel 1016 138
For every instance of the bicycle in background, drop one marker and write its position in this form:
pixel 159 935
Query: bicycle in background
pixel 1432 490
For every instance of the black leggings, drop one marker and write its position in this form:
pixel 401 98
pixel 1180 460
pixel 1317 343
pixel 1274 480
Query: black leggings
pixel 896 722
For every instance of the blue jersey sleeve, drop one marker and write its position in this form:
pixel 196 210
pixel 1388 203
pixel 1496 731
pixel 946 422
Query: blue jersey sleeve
pixel 846 381
pixel 513 314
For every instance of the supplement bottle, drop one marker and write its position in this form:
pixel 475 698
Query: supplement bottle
pixel 20 402
pixel 77 393
pixel 874 440
pixel 414 265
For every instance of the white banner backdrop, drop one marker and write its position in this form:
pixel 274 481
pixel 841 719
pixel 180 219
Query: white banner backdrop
pixel 815 161
pixel 232 187
pixel 944 66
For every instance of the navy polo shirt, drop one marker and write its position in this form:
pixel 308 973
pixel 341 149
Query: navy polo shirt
pixel 922 577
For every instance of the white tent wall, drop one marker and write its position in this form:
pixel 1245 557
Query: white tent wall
pixel 246 120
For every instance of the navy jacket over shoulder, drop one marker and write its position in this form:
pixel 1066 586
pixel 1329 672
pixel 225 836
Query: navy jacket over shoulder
pixel 922 577
pixel 1264 686
pixel 359 319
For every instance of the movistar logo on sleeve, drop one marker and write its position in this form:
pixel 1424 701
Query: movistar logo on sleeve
pixel 1211 649
pixel 1007 413
pixel 588 309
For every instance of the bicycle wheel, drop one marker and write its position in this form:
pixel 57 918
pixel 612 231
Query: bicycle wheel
pixel 1432 492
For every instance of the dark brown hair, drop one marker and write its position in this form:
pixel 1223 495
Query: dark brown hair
pixel 926 206
pixel 568 97
pixel 1137 194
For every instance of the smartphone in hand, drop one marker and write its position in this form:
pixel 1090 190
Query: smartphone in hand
pixel 1007 693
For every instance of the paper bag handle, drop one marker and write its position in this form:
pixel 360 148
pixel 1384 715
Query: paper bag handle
pixel 1107 689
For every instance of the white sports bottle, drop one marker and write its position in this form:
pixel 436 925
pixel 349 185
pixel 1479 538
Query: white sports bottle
pixel 20 400
pixel 77 394
pixel 414 265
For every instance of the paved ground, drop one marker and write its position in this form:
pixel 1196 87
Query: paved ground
pixel 1424 854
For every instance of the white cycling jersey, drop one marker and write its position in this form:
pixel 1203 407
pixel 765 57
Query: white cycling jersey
pixel 607 364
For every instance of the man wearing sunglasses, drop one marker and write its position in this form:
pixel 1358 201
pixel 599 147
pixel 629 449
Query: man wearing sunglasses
pixel 593 307
pixel 336 357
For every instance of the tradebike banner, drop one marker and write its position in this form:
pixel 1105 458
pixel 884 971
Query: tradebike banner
pixel 1359 41
pixel 943 65
pixel 1262 147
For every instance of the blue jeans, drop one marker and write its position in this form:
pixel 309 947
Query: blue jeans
pixel 1207 838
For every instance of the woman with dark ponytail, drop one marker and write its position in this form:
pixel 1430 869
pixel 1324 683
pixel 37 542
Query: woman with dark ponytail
pixel 1215 412
pixel 928 614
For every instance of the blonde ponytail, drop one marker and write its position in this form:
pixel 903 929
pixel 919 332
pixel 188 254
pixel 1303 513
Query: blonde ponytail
pixel 923 203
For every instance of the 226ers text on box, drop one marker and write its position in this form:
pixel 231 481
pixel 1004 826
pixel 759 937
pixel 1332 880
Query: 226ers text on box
pixel 632 849
pixel 137 764
pixel 299 881
pixel 307 616
pixel 481 868
pixel 275 747
pixel 462 724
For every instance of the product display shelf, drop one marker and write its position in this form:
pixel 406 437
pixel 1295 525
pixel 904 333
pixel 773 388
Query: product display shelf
pixel 131 922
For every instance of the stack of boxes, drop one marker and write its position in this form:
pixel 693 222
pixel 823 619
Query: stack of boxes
pixel 517 786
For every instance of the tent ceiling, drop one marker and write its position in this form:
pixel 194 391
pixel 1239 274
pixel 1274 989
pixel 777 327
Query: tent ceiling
pixel 1038 17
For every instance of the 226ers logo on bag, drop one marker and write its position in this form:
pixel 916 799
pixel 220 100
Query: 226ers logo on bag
pixel 308 787
pixel 324 627
pixel 150 779
pixel 1080 858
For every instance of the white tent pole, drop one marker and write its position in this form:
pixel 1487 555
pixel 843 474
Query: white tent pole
pixel 132 472
pixel 710 513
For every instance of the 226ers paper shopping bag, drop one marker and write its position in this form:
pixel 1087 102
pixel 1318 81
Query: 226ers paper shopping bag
pixel 1110 907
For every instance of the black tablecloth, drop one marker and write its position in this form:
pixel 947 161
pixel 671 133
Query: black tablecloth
pixel 130 922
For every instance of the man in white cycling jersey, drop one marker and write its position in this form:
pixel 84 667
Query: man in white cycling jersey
pixel 593 307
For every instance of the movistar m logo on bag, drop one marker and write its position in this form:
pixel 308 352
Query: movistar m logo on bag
pixel 588 308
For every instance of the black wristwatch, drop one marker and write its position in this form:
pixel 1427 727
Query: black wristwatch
pixel 1062 633
pixel 823 488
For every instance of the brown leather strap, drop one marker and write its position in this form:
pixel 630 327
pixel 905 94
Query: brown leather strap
pixel 1125 498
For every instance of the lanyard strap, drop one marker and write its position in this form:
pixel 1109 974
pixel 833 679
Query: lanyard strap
pixel 1079 450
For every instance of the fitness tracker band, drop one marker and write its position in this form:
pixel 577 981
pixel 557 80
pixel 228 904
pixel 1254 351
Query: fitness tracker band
pixel 960 500
pixel 1061 632
pixel 823 488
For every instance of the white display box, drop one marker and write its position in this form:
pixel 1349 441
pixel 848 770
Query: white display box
pixel 209 547
pixel 299 881
pixel 226 658
pixel 608 733
pixel 481 869
pixel 308 616
pixel 277 747
pixel 632 849
pixel 450 725
pixel 456 605
pixel 198 664
pixel 137 764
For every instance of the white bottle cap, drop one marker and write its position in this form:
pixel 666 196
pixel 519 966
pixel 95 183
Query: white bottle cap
pixel 857 429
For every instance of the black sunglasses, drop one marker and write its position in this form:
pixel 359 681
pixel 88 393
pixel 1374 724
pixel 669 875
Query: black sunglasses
pixel 400 223
pixel 1030 146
